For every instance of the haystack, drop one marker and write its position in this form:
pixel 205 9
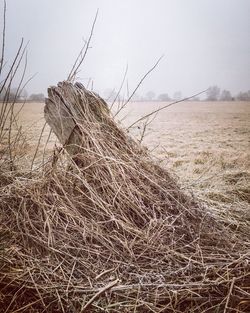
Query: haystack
pixel 103 228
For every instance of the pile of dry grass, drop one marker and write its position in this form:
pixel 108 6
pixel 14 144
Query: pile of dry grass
pixel 102 227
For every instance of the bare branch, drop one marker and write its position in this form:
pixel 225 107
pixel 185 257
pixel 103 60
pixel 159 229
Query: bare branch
pixel 122 83
pixel 82 53
pixel 12 66
pixel 3 38
pixel 138 85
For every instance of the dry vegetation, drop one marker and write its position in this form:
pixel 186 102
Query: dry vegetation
pixel 103 227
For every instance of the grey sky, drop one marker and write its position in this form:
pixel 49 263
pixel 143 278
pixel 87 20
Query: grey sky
pixel 205 42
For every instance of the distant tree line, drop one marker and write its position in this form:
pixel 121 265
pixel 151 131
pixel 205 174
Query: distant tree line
pixel 14 94
pixel 213 93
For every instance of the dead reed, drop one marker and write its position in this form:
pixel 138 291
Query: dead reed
pixel 103 228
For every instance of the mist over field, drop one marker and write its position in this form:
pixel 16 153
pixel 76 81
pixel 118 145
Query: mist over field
pixel 204 43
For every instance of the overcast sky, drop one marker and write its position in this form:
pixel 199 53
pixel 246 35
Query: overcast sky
pixel 204 42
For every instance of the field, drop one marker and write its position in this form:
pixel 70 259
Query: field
pixel 109 217
pixel 206 145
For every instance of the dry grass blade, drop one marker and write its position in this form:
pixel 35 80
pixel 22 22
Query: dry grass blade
pixel 105 288
pixel 138 85
pixel 83 52
pixel 3 38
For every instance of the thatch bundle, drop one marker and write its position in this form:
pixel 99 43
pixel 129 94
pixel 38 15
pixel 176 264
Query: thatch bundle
pixel 103 228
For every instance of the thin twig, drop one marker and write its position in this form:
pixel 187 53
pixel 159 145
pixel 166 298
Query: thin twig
pixel 37 146
pixel 229 295
pixel 100 292
pixel 84 50
pixel 120 88
pixel 3 38
pixel 138 85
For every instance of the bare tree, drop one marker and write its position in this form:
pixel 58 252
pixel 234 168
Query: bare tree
pixel 177 96
pixel 164 97
pixel 150 95
pixel 37 97
pixel 213 93
pixel 226 95
pixel 243 96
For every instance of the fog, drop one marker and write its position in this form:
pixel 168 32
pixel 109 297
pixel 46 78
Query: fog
pixel 204 42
